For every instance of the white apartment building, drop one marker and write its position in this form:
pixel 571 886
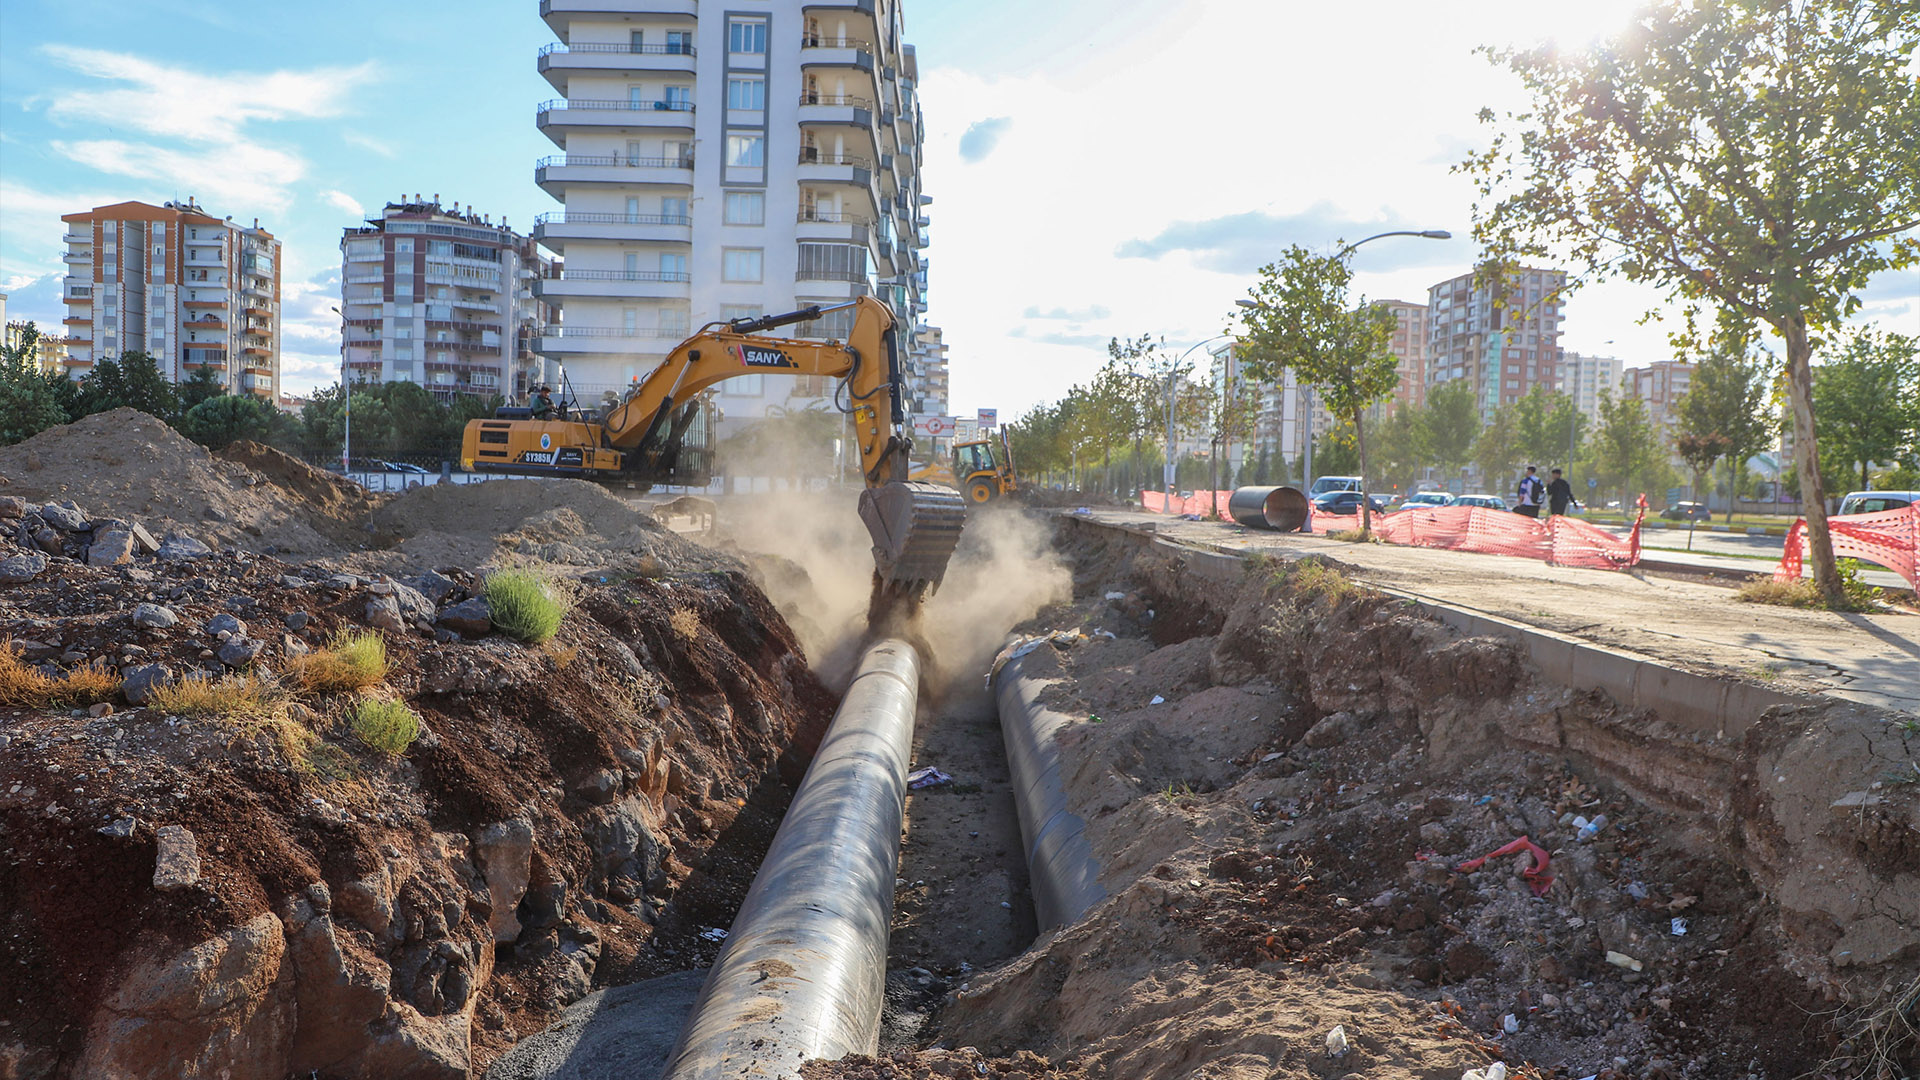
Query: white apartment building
pixel 1582 378
pixel 1409 346
pixel 442 297
pixel 1661 385
pixel 192 290
pixel 927 385
pixel 723 162
pixel 1504 340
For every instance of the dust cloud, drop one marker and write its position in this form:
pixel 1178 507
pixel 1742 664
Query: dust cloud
pixel 1004 572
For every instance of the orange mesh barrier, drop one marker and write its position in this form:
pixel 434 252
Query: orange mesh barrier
pixel 1888 538
pixel 1200 502
pixel 1558 540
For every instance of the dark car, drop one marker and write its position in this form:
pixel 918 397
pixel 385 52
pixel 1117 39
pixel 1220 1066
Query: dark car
pixel 1343 502
pixel 1687 511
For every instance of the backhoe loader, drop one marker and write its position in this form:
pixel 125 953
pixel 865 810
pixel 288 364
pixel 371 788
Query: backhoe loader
pixel 642 440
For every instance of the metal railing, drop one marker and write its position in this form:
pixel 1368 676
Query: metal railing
pixel 666 333
pixel 833 217
pixel 614 105
pixel 822 41
pixel 683 48
pixel 806 274
pixel 813 156
pixel 619 275
pixel 585 218
pixel 596 160
pixel 842 100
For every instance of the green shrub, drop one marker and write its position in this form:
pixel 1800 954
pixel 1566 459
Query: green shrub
pixel 353 660
pixel 387 726
pixel 526 606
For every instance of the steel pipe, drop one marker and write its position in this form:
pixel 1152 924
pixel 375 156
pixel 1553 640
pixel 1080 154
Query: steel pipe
pixel 1281 508
pixel 803 973
pixel 1063 874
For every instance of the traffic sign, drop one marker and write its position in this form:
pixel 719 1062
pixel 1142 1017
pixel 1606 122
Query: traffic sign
pixel 1592 482
pixel 989 417
pixel 934 427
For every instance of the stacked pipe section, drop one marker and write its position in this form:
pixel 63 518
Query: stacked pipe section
pixel 803 973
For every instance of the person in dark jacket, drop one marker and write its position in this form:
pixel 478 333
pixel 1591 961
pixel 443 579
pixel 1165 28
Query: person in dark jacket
pixel 543 404
pixel 1531 492
pixel 1559 494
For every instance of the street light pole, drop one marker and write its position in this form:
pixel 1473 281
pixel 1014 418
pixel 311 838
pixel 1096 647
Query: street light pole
pixel 346 402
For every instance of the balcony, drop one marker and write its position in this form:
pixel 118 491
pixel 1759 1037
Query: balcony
pixel 215 346
pixel 614 284
pixel 844 109
pixel 366 279
pixel 559 61
pixel 78 257
pixel 78 237
pixel 553 174
pixel 833 51
pixel 559 14
pixel 203 324
pixel 555 229
pixel 840 225
pixel 76 361
pixel 204 303
pixel 607 341
pixel 611 116
pixel 823 167
pixel 865 7
pixel 78 320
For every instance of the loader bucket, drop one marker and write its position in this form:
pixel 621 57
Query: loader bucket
pixel 915 528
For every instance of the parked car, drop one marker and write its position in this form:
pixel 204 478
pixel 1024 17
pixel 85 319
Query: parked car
pixel 1687 511
pixel 1873 502
pixel 1427 498
pixel 1324 484
pixel 1344 502
pixel 1491 502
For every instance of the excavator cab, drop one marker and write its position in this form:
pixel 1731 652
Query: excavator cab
pixel 983 469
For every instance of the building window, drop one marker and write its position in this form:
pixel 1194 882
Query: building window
pixel 679 43
pixel 403 247
pixel 747 94
pixel 748 151
pixel 746 208
pixel 730 312
pixel 833 262
pixel 741 264
pixel 747 35
pixel 673 266
pixel 680 98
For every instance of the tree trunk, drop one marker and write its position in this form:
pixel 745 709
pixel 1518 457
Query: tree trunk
pixel 1806 458
pixel 1366 500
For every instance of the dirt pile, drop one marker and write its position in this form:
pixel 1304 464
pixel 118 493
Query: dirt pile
pixel 256 889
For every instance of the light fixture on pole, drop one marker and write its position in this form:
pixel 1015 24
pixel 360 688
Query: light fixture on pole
pixel 346 402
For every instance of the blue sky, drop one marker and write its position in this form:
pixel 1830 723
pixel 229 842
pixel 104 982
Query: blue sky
pixel 1098 167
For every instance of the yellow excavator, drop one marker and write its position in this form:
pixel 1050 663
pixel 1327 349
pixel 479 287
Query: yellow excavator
pixel 644 440
pixel 981 469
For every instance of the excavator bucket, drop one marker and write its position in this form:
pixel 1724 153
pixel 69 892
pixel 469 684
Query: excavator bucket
pixel 915 528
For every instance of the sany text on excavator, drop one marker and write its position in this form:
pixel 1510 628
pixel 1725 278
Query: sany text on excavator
pixel 915 526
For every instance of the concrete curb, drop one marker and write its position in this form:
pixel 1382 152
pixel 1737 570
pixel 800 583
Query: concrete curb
pixel 1704 704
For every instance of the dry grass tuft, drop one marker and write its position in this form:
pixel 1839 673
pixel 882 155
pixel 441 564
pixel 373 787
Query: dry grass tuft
pixel 27 687
pixel 232 699
pixel 353 660
pixel 685 623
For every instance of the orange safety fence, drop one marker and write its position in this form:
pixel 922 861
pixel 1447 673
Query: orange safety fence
pixel 1200 502
pixel 1558 540
pixel 1889 538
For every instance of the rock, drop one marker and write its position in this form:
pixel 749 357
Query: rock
pixel 293 646
pixel 292 582
pixel 99 709
pixel 143 539
pixel 47 540
pixel 177 866
pixel 435 587
pixel 20 569
pixel 415 608
pixel 121 828
pixel 154 616
pixel 12 507
pixel 179 546
pixel 623 842
pixel 226 624
pixel 600 787
pixel 239 651
pixel 298 621
pixel 1332 730
pixel 469 618
pixel 64 516
pixel 341 989
pixel 224 1007
pixel 112 545
pixel 343 581
pixel 505 853
pixel 383 613
pixel 141 680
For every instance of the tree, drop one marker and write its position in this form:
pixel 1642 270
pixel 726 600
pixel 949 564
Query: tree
pixel 1300 319
pixel 224 418
pixel 1334 453
pixel 1626 447
pixel 1723 412
pixel 28 405
pixel 1400 453
pixel 1448 422
pixel 133 382
pixel 1752 155
pixel 1869 406
pixel 203 384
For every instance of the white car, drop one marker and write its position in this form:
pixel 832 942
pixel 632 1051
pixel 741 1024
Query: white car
pixel 1873 502
pixel 1427 498
pixel 1491 502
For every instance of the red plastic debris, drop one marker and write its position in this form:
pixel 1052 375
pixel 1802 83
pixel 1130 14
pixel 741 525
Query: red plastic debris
pixel 1537 877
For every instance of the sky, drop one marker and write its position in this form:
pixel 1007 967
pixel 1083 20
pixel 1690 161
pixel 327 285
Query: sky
pixel 1098 168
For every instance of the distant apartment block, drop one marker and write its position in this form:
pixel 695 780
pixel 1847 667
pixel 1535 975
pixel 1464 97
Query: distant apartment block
pixel 805 188
pixel 193 290
pixel 443 297
pixel 1409 346
pixel 1660 384
pixel 1582 377
pixel 1505 340
pixel 927 387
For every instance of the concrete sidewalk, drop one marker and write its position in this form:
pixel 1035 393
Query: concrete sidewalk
pixel 1874 659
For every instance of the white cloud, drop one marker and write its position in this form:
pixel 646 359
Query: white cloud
pixel 31 228
pixel 234 176
pixel 368 142
pixel 187 104
pixel 346 203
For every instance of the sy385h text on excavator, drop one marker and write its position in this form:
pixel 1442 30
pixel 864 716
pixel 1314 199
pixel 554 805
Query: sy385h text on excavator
pixel 915 526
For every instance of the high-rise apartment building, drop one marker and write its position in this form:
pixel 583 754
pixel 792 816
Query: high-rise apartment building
pixel 804 188
pixel 1409 346
pixel 1506 340
pixel 1582 378
pixel 927 373
pixel 1660 384
pixel 194 291
pixel 442 297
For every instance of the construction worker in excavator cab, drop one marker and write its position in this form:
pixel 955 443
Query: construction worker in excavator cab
pixel 543 408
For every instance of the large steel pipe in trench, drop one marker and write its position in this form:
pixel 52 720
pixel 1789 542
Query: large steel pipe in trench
pixel 1064 876
pixel 803 974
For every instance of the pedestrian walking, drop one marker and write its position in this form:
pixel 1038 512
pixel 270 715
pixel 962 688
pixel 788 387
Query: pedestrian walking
pixel 1531 492
pixel 1559 494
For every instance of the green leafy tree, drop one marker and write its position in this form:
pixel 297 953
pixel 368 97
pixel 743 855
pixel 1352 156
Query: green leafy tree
pixel 1626 447
pixel 1868 401
pixel 29 403
pixel 1497 447
pixel 1755 156
pixel 1301 319
pixel 204 384
pixel 1724 411
pixel 1449 421
pixel 1400 452
pixel 133 381
pixel 1334 453
pixel 225 418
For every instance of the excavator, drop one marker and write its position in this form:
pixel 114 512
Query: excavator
pixel 643 440
pixel 980 468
